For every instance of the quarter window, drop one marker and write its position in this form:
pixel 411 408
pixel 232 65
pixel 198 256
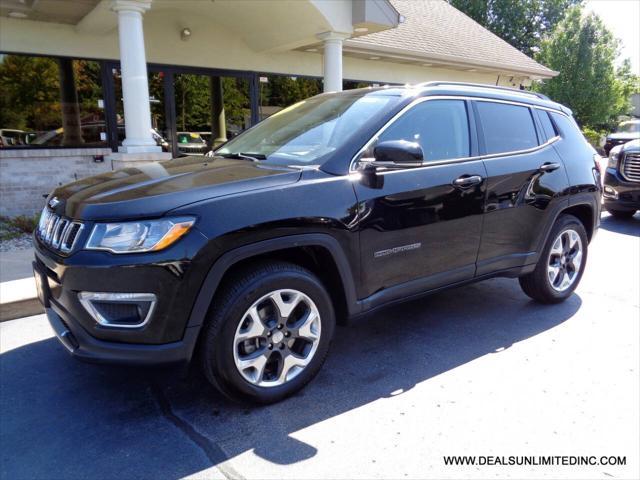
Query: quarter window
pixel 568 128
pixel 440 127
pixel 507 128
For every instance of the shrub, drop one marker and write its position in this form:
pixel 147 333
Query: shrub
pixel 17 226
pixel 594 137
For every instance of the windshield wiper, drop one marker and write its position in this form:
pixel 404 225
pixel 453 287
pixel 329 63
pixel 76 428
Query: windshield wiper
pixel 254 157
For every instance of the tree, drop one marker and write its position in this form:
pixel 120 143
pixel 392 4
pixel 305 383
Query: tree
pixel 584 51
pixel 522 23
pixel 30 98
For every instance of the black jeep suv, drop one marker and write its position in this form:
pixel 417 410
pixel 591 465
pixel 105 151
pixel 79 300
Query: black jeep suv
pixel 622 180
pixel 330 208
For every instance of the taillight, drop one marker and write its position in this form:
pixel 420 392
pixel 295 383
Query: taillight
pixel 600 165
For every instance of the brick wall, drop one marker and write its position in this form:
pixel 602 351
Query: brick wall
pixel 27 175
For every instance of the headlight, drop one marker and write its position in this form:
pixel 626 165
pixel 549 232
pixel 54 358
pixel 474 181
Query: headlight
pixel 141 236
pixel 614 157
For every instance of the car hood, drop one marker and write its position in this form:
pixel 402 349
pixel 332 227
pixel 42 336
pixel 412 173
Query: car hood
pixel 623 136
pixel 152 189
pixel 632 146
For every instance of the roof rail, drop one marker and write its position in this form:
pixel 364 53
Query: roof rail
pixel 483 85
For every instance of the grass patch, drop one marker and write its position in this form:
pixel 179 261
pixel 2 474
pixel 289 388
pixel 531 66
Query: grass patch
pixel 15 227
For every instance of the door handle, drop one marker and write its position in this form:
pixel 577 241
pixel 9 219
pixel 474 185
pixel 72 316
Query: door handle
pixel 549 167
pixel 467 181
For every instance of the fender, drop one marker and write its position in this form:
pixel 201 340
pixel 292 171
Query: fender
pixel 589 203
pixel 228 259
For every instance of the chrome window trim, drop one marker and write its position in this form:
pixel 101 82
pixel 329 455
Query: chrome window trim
pixel 354 160
pixel 86 299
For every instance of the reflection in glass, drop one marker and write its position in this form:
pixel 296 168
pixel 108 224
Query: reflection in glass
pixel 49 102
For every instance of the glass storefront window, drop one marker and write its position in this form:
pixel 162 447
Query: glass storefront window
pixel 209 111
pixel 50 102
pixel 280 91
pixel 159 128
pixel 352 84
pixel 198 100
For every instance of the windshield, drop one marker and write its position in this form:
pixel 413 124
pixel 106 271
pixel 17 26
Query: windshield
pixel 308 130
pixel 629 127
pixel 190 138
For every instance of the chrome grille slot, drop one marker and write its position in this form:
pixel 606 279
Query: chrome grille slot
pixel 58 232
pixel 631 167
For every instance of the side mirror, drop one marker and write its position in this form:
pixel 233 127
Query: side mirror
pixel 398 154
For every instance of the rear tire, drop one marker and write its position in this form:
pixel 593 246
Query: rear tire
pixel 561 263
pixel 622 214
pixel 268 333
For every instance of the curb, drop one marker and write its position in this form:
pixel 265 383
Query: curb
pixel 18 298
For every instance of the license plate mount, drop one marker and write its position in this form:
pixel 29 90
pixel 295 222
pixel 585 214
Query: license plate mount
pixel 42 286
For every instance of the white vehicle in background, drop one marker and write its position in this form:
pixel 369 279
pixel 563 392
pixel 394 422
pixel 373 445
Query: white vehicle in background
pixel 10 137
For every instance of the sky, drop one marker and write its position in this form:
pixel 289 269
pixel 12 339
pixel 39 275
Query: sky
pixel 622 17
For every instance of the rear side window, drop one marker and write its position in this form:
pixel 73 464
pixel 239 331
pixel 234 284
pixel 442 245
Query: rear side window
pixel 547 125
pixel 507 128
pixel 441 127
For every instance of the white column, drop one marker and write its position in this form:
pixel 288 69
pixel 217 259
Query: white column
pixel 333 60
pixel 135 84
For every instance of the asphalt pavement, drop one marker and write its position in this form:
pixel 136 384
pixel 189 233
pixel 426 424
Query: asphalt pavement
pixel 478 370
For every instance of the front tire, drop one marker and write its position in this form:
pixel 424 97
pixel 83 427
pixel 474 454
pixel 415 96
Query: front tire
pixel 622 214
pixel 268 333
pixel 561 263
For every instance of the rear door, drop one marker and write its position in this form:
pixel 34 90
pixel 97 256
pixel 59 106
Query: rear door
pixel 527 184
pixel 418 228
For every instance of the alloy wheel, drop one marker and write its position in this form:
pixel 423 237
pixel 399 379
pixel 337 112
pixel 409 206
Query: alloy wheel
pixel 565 260
pixel 277 338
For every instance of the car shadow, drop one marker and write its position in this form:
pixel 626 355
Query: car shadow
pixel 625 226
pixel 88 420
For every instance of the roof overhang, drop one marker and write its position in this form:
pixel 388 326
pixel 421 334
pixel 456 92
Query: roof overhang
pixel 367 50
pixel 265 26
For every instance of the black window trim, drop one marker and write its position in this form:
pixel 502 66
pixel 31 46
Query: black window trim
pixel 476 133
pixel 556 130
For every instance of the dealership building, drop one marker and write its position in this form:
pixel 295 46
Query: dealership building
pixel 89 86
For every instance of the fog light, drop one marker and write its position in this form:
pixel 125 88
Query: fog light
pixel 119 310
pixel 610 192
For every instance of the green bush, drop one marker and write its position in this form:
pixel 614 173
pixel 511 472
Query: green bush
pixel 594 137
pixel 17 226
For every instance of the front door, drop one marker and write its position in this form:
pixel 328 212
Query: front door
pixel 420 227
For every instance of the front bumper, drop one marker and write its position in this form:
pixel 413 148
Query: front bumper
pixel 627 196
pixel 166 338
pixel 89 349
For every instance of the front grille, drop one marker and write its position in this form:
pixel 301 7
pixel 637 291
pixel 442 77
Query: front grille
pixel 58 232
pixel 631 167
pixel 187 149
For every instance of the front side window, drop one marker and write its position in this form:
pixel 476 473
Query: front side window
pixel 441 127
pixel 507 128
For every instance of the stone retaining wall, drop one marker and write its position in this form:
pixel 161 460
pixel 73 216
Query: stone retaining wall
pixel 26 176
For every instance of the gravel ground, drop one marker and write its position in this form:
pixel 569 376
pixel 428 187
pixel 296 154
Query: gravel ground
pixel 23 242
